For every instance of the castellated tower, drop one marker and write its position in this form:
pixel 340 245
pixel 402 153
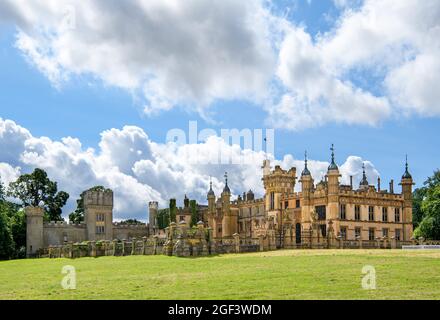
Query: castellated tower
pixel 152 216
pixel 277 183
pixel 98 214
pixel 34 230
pixel 407 184
pixel 333 188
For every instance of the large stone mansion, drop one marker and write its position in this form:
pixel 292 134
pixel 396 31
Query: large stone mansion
pixel 324 214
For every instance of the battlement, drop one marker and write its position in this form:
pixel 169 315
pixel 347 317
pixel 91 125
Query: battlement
pixel 260 200
pixel 153 204
pixel 98 198
pixel 63 224
pixel 129 226
pixel 371 192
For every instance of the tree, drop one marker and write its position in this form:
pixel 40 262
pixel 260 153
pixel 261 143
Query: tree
pixel 194 213
pixel 6 240
pixel 418 196
pixel 35 188
pixel 163 218
pixel 2 190
pixel 78 215
pixel 429 208
pixel 173 210
pixel 131 221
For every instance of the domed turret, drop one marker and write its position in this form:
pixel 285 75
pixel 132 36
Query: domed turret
pixel 333 165
pixel 364 181
pixel 306 171
pixel 226 188
pixel 210 192
pixel 406 174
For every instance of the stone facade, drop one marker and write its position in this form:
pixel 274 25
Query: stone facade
pixel 326 214
pixel 98 225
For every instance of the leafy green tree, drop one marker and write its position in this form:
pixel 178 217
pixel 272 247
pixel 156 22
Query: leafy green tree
pixel 35 188
pixel 7 247
pixel 173 210
pixel 429 226
pixel 131 221
pixel 2 190
pixel 78 215
pixel 194 212
pixel 18 229
pixel 163 218
pixel 418 196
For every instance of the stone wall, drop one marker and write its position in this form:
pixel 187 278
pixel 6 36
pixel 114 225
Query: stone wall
pixel 60 232
pixel 123 231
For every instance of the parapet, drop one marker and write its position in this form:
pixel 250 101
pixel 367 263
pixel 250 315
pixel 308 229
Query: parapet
pixel 153 204
pixel 98 198
pixel 34 211
pixel 63 224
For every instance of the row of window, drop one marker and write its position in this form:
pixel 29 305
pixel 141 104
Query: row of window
pixel 100 217
pixel 371 233
pixel 371 217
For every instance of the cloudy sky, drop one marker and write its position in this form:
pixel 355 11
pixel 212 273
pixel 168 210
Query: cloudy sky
pixel 90 89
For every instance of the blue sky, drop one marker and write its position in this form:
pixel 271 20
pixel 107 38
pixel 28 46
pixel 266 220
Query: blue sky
pixel 84 106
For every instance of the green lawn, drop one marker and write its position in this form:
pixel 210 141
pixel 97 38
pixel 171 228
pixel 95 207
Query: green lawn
pixel 287 274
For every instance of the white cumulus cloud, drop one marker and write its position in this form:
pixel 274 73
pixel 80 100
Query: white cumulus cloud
pixel 139 170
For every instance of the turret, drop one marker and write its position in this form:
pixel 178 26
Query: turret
pixel 333 188
pixel 226 195
pixel 363 185
pixel 228 223
pixel 306 180
pixel 333 175
pixel 407 184
pixel 34 230
pixel 211 198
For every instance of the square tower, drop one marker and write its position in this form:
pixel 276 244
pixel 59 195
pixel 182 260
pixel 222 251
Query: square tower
pixel 98 214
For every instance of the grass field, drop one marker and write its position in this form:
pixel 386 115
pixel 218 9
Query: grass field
pixel 287 274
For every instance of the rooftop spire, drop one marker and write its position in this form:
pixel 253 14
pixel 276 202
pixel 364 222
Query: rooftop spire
pixel 226 188
pixel 364 181
pixel 210 192
pixel 333 165
pixel 306 171
pixel 406 175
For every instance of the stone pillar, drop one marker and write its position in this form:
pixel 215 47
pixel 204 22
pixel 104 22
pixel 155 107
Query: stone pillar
pixel 115 243
pixel 123 247
pixel 93 248
pixel 237 242
pixel 133 246
pixel 155 237
pixel 377 243
pixel 261 242
pixel 393 243
pixel 144 245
